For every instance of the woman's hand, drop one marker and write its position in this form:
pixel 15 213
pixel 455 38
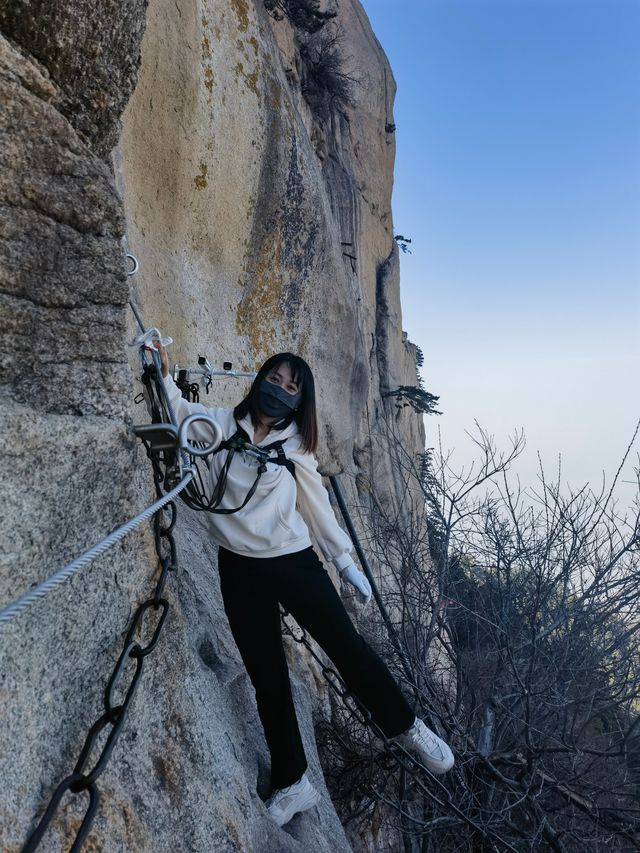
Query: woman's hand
pixel 164 357
pixel 359 581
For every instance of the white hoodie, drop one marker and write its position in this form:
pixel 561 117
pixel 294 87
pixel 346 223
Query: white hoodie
pixel 278 517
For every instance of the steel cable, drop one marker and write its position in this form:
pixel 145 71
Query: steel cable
pixel 7 613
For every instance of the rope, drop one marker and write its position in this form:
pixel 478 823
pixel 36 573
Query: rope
pixel 393 636
pixel 7 613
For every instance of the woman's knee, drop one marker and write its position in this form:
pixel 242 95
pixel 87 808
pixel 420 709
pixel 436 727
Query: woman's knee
pixel 349 650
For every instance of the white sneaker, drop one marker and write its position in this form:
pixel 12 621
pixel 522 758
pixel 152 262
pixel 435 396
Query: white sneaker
pixel 431 749
pixel 284 803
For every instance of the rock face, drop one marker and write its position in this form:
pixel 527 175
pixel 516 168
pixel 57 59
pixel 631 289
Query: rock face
pixel 91 52
pixel 243 207
pixel 261 224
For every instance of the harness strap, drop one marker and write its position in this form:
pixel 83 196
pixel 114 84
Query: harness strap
pixel 281 458
pixel 240 436
pixel 235 444
pixel 221 485
pixel 148 376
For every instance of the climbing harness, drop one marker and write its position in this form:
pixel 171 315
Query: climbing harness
pixel 239 444
pixel 164 443
pixel 173 455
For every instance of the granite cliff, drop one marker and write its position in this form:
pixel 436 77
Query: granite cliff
pixel 188 134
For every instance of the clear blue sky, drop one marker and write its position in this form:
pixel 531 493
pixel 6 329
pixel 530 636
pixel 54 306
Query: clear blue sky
pixel 518 179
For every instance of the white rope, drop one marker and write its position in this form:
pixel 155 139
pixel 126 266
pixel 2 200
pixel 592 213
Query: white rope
pixel 7 613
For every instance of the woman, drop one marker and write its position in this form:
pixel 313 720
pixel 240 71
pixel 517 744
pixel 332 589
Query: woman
pixel 266 558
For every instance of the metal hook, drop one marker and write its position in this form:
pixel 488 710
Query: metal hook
pixel 136 265
pixel 184 443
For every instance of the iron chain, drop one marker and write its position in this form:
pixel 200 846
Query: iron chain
pixel 127 671
pixel 402 756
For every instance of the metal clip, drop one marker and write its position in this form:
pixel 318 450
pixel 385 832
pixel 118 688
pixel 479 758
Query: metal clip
pixel 135 265
pixel 183 441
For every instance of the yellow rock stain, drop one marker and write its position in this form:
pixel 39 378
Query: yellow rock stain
pixel 258 315
pixel 201 180
pixel 251 80
pixel 241 8
pixel 208 78
pixel 253 41
pixel 205 50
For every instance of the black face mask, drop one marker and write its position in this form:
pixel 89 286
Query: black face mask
pixel 275 402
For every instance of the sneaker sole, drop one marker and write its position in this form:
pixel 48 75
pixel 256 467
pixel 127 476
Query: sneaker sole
pixel 308 803
pixel 438 769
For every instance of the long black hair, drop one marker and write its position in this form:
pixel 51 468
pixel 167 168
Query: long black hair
pixel 305 415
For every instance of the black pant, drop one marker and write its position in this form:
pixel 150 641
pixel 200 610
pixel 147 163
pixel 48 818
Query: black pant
pixel 251 589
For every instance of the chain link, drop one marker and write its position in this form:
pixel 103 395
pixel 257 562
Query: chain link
pixel 147 621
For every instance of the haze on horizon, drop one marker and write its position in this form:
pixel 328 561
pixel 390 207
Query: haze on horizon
pixel 517 179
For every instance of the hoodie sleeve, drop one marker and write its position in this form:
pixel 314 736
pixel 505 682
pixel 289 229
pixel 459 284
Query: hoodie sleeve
pixel 182 409
pixel 314 507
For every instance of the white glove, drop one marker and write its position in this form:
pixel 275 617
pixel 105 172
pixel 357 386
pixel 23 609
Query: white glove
pixel 355 577
pixel 147 338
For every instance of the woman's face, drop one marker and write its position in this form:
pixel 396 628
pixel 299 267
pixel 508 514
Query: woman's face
pixel 282 376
